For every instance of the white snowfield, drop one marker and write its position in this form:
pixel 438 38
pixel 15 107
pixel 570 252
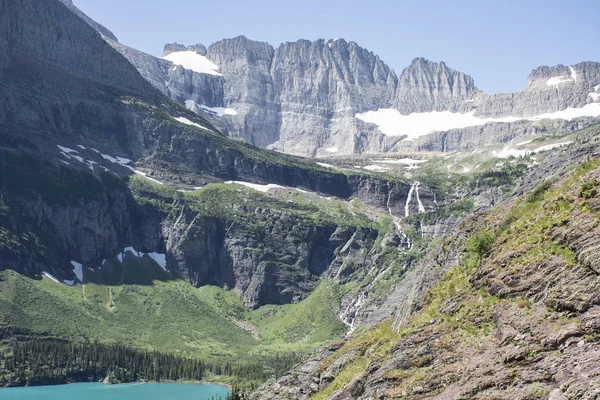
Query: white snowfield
pixel 218 111
pixel 124 162
pixel 325 165
pixel 69 153
pixel 404 161
pixel 77 270
pixel 377 168
pixel 508 152
pixel 50 276
pixel 390 122
pixel 256 186
pixel 524 143
pixel 193 61
pixel 332 150
pixel 186 121
pixel 557 80
pixel 159 258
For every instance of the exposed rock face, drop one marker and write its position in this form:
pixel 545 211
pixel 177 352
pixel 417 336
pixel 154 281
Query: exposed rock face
pixel 320 86
pixel 173 47
pixel 247 89
pixel 548 89
pixel 302 97
pixel 101 29
pixel 427 86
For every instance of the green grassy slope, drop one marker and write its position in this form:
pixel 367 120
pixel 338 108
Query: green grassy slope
pixel 170 315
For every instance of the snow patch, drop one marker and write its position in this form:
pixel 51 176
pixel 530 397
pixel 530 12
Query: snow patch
pixel 50 276
pixel 508 152
pixel 256 186
pixel 77 270
pixel 332 150
pixel 186 121
pixel 132 250
pixel 124 162
pixel 78 158
pixel 193 61
pixel 524 143
pixel 551 146
pixel 555 81
pixel 405 161
pixel 145 175
pixel 160 259
pixel 68 282
pixel 189 191
pixel 594 96
pixel 67 150
pixel 377 168
pixel 325 165
pixel 392 123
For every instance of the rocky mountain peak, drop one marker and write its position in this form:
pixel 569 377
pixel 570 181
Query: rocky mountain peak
pixel 99 28
pixel 563 76
pixel 174 47
pixel 430 86
pixel 239 47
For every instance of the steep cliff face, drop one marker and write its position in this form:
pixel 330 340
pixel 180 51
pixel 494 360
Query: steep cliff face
pixel 247 90
pixel 333 97
pixel 548 89
pixel 428 86
pixel 320 86
pixel 98 27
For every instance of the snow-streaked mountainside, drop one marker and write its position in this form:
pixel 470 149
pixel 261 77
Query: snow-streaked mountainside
pixel 334 97
pixel 129 222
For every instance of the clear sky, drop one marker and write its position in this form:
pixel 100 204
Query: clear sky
pixel 498 42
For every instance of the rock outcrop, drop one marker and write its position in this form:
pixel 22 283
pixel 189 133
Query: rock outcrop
pixel 519 322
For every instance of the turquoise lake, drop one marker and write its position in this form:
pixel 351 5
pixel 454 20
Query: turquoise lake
pixel 130 391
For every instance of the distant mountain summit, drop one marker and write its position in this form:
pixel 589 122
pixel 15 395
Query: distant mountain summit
pixel 429 86
pixel 328 97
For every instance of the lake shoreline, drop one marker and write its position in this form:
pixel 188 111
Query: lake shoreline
pixel 60 383
pixel 125 391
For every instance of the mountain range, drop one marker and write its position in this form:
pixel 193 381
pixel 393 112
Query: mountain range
pixel 447 247
pixel 334 97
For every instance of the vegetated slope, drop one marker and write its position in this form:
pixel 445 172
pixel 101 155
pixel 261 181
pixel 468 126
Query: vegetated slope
pixel 96 245
pixel 513 315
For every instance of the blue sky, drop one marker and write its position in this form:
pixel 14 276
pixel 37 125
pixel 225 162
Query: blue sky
pixel 498 42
